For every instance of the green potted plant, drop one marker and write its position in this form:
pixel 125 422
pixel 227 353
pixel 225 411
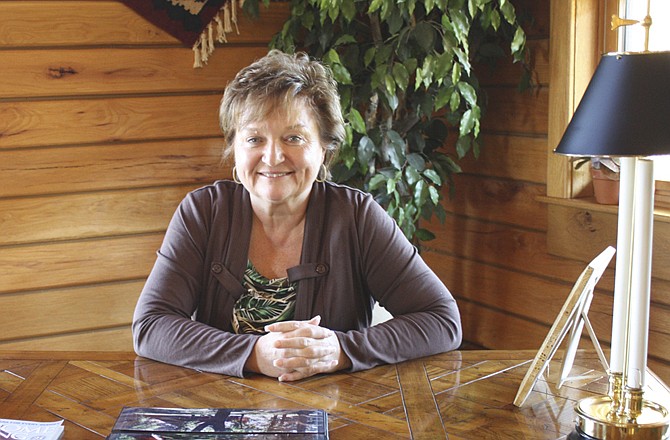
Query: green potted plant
pixel 410 95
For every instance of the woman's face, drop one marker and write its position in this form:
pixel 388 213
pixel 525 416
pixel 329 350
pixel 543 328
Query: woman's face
pixel 278 156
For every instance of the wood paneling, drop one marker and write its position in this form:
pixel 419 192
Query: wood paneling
pixel 104 128
pixel 514 157
pixel 64 72
pixel 88 215
pixel 79 262
pixel 69 309
pixel 88 168
pixel 66 122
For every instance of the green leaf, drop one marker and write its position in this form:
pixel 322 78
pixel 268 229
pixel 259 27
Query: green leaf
pixel 434 195
pixel 467 123
pixel 375 5
pixel 412 175
pixel 333 13
pixel 344 39
pixel 348 8
pixel 392 101
pixel 463 146
pixel 410 64
pixel 390 186
pixel 495 19
pixel 442 4
pixel 396 150
pixel 461 25
pixel 463 59
pixel 427 71
pixel 387 9
pixel 369 55
pixel 433 176
pixel 341 74
pixel 356 121
pixel 376 181
pixel 401 76
pixel 389 82
pixel 456 73
pixel 424 234
pixel 454 101
pixel 508 11
pixel 411 5
pixel 443 63
pixel 424 35
pixel 468 92
pixel 366 149
pixel 332 57
pixel 442 98
pixel 416 161
pixel 518 42
pixel 420 192
pixel 383 54
pixel 418 78
pixel 395 21
pixel 306 20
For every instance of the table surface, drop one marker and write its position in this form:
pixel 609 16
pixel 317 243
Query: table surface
pixel 462 394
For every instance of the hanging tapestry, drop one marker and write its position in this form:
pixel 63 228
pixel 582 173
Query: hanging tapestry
pixel 196 23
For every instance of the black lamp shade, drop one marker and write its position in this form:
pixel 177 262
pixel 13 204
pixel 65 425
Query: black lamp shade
pixel 625 110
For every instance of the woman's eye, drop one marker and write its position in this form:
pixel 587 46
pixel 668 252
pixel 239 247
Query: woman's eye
pixel 253 140
pixel 295 139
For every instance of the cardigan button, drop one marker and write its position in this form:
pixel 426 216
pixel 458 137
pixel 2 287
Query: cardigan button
pixel 217 267
pixel 320 268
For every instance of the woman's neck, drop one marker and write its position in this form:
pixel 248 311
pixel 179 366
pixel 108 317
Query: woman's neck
pixel 276 240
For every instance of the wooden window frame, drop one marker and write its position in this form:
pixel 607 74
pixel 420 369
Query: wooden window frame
pixel 579 34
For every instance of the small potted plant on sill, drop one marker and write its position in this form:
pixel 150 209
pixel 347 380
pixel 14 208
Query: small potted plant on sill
pixel 605 175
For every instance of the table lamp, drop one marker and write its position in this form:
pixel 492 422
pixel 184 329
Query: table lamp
pixel 625 113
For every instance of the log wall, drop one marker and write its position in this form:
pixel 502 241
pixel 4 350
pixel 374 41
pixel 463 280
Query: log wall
pixel 104 127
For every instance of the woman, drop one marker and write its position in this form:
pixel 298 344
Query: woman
pixel 277 272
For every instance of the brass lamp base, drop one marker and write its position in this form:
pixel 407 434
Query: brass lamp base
pixel 595 419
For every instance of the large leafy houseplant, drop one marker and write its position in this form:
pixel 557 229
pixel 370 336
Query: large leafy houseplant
pixel 410 96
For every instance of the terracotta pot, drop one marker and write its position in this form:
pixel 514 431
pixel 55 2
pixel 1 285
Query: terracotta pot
pixel 605 186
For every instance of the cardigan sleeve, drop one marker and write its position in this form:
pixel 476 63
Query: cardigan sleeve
pixel 179 283
pixel 426 319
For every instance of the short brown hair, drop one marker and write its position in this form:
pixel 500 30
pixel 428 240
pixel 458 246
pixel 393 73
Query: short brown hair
pixel 278 79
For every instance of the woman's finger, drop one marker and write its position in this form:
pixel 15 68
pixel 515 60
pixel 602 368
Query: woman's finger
pixel 289 326
pixel 311 370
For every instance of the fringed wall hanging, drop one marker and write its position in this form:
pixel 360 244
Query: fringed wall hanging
pixel 198 24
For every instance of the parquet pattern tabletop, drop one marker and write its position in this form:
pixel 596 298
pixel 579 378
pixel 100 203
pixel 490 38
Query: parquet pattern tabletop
pixel 460 395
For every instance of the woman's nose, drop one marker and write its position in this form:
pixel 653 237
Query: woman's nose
pixel 273 154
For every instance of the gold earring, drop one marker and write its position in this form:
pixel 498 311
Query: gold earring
pixel 235 177
pixel 323 174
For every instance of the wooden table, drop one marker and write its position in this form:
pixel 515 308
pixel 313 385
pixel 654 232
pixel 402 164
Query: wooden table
pixel 465 395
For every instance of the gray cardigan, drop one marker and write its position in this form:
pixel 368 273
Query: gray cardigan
pixel 353 254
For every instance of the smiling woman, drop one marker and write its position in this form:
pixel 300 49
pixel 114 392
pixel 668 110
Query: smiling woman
pixel 277 273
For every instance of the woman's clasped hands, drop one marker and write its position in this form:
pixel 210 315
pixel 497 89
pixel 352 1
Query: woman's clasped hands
pixel 294 350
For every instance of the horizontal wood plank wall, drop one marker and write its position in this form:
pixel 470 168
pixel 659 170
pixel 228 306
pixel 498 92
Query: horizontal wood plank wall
pixel 492 249
pixel 104 127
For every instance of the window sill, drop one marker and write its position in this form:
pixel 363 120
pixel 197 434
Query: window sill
pixel 661 209
pixel 580 229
